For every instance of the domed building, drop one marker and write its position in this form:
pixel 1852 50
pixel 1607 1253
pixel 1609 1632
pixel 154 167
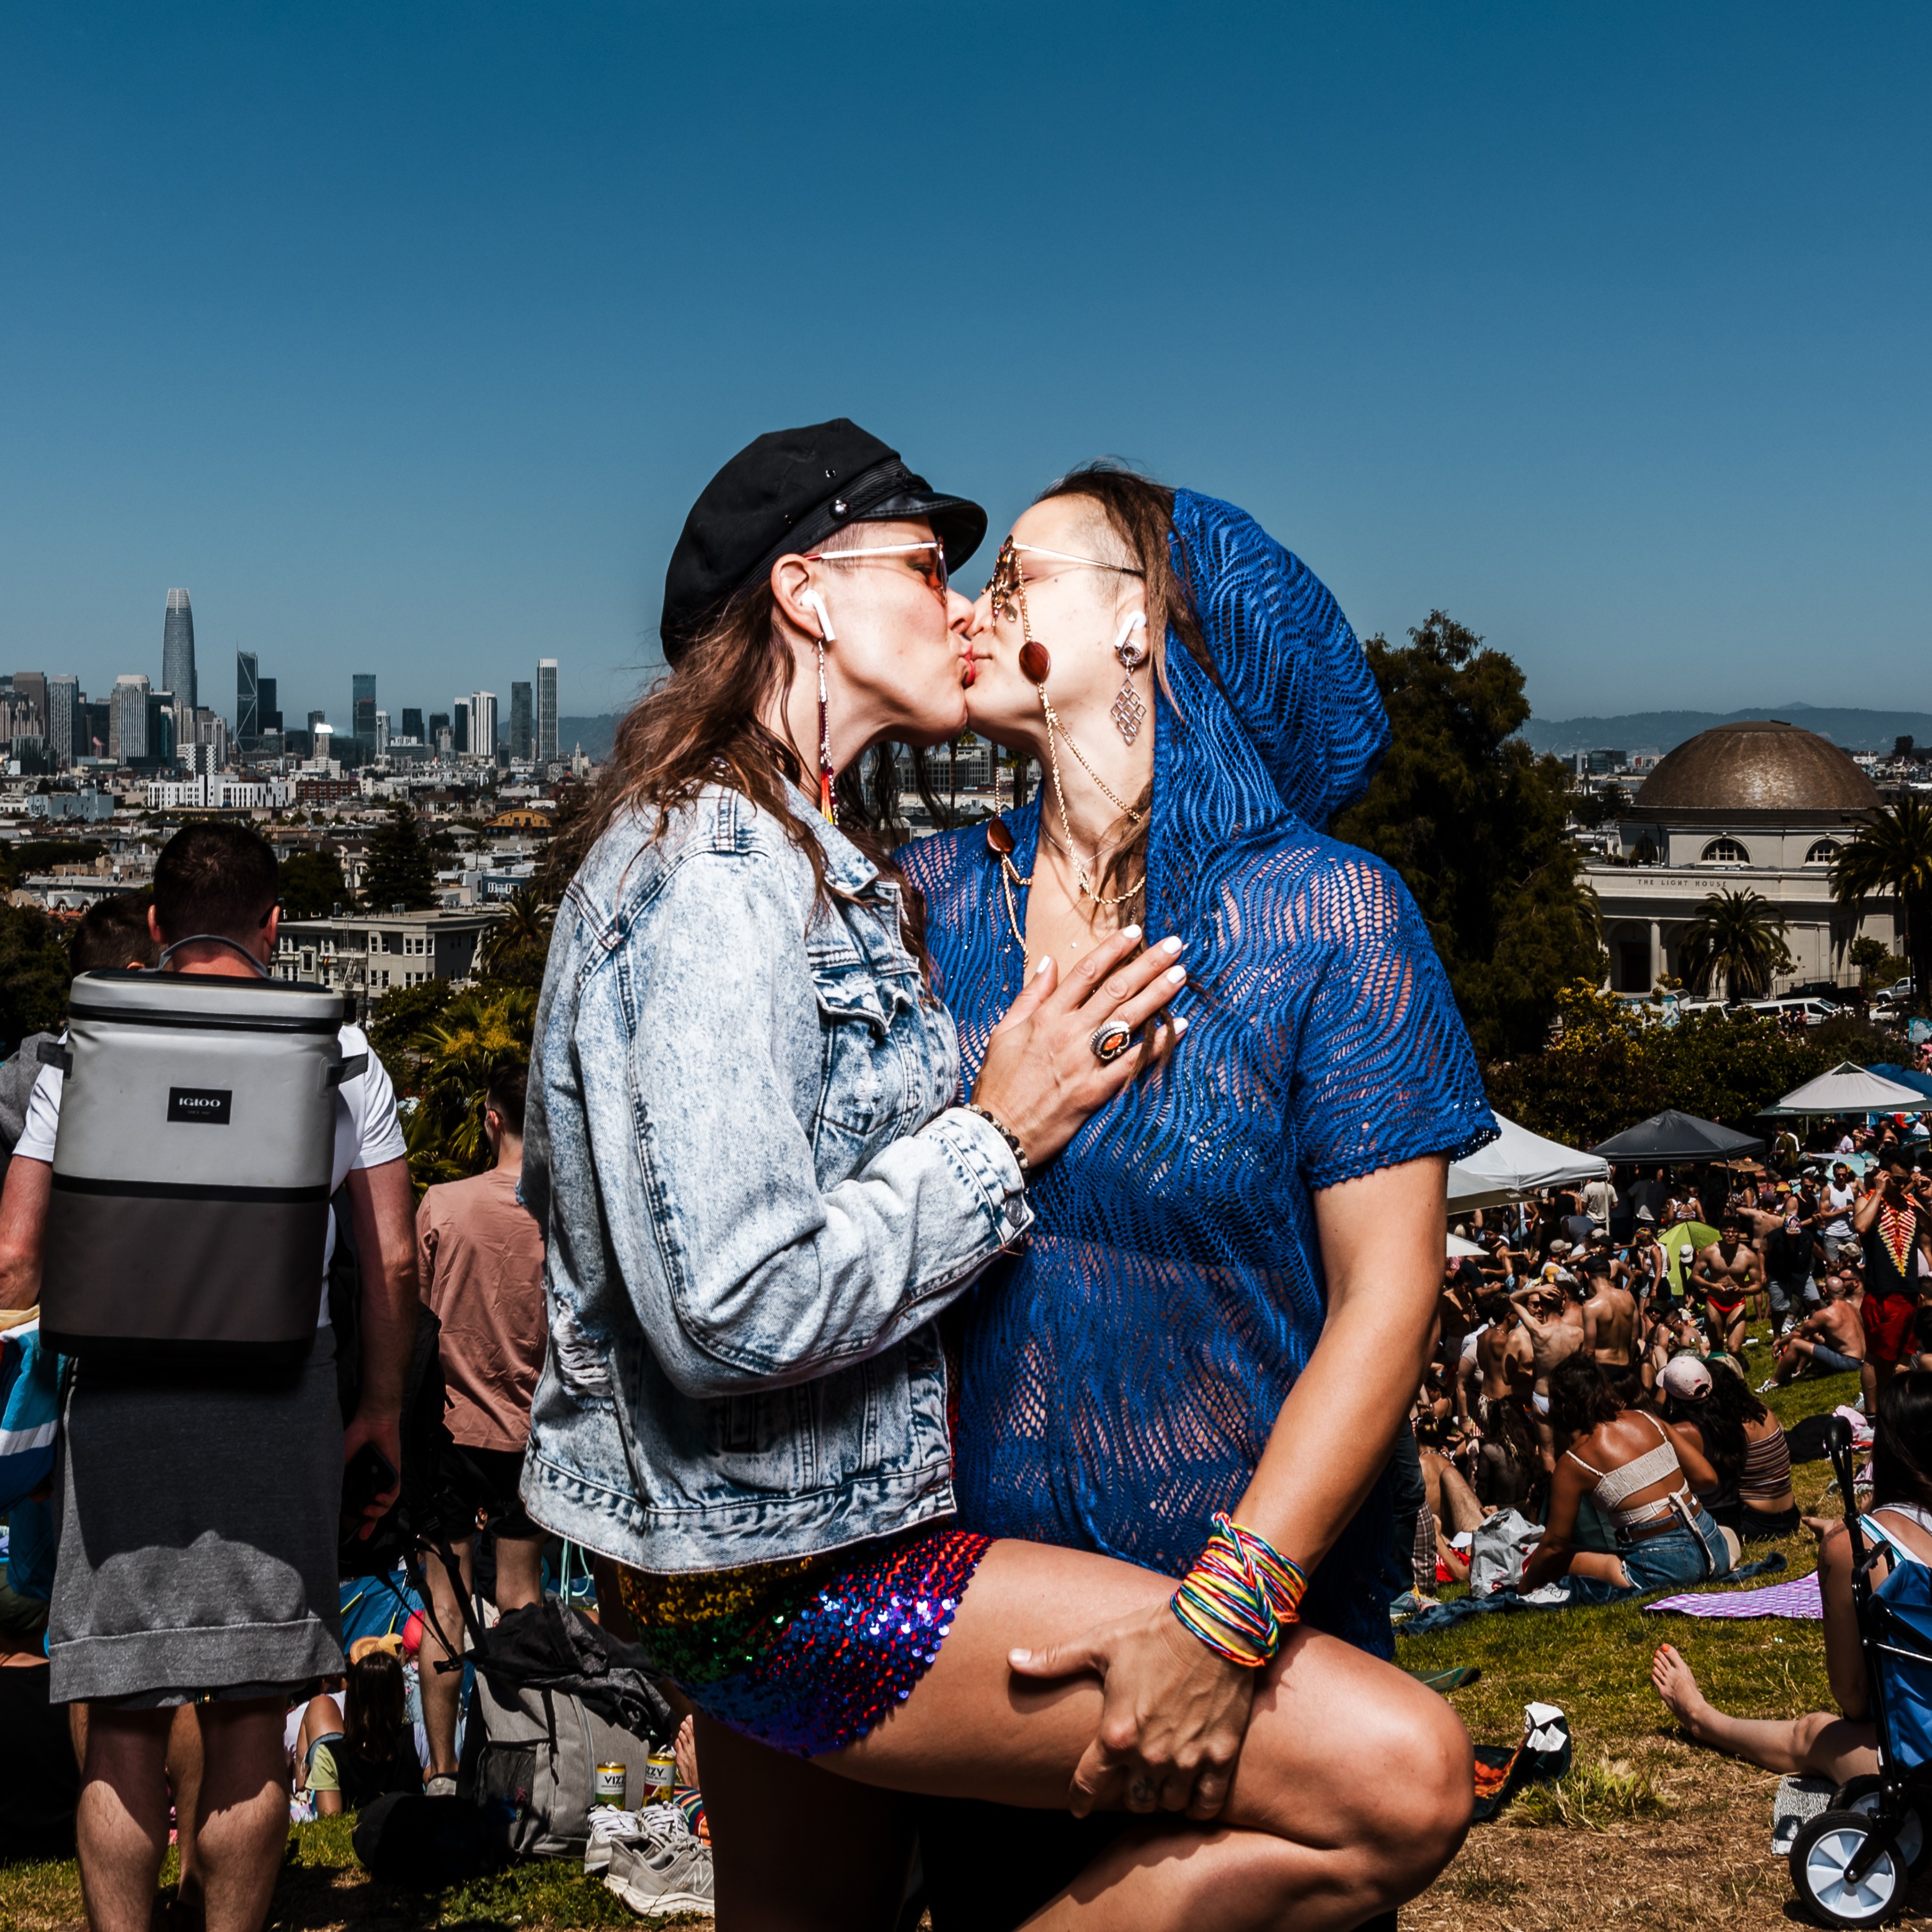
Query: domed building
pixel 1761 807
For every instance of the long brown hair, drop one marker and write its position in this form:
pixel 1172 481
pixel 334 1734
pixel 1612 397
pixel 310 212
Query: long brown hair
pixel 372 1707
pixel 1140 512
pixel 704 725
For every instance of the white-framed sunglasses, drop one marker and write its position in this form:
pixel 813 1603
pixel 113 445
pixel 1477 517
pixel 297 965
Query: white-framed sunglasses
pixel 934 574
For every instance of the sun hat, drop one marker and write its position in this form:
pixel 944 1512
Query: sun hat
pixel 1686 1378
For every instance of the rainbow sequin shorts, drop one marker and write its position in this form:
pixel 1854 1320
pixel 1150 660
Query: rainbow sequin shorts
pixel 807 1656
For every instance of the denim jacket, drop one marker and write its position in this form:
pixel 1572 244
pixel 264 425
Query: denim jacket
pixel 757 1195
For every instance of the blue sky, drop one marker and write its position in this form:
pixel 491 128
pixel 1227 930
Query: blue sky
pixel 403 335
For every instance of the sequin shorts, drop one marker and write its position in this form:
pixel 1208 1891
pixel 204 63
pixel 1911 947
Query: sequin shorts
pixel 807 1656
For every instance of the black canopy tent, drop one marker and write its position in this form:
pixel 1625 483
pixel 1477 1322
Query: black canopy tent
pixel 1670 1139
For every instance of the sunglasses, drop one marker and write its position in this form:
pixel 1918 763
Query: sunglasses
pixel 933 573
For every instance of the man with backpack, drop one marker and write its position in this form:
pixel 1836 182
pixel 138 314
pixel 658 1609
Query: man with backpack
pixel 199 1509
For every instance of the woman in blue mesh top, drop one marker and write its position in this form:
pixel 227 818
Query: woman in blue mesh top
pixel 1226 1301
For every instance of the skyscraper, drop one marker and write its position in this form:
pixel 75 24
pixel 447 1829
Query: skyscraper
pixel 67 730
pixel 362 714
pixel 520 721
pixel 483 724
pixel 247 700
pixel 267 706
pixel 412 722
pixel 381 739
pixel 546 711
pixel 32 686
pixel 438 723
pixel 459 725
pixel 127 719
pixel 177 650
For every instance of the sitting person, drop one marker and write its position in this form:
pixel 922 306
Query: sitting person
pixel 1641 1472
pixel 317 1720
pixel 1839 1744
pixel 1832 1341
pixel 377 1751
pixel 1742 1440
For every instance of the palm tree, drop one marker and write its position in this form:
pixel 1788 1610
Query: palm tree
pixel 1737 937
pixel 477 1033
pixel 1891 852
pixel 518 944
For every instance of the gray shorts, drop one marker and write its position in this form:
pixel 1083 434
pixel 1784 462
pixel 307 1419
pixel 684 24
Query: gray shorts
pixel 198 1530
pixel 1831 1362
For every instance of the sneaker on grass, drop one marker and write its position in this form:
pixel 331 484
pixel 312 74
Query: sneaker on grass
pixel 674 1876
pixel 611 1830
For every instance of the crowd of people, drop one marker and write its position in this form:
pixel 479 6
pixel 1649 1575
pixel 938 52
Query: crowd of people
pixel 969 1296
pixel 1593 1369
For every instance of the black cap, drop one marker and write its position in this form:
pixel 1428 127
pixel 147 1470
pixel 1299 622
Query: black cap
pixel 791 490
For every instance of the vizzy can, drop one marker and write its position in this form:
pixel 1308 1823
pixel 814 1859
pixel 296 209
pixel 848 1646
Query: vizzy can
pixel 610 1788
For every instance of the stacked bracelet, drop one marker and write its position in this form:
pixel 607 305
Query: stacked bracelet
pixel 1241 1595
pixel 1005 1133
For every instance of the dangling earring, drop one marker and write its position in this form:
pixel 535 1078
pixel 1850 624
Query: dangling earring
pixel 828 808
pixel 1128 711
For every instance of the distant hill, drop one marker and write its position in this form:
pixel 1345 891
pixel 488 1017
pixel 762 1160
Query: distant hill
pixel 596 735
pixel 1664 730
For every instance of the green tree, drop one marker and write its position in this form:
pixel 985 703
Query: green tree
pixel 1610 1067
pixel 312 886
pixel 1475 822
pixel 517 948
pixel 398 1021
pixel 1736 938
pixel 478 1032
pixel 42 855
pixel 34 974
pixel 402 872
pixel 1891 853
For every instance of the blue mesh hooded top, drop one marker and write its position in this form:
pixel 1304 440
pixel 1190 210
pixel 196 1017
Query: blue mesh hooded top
pixel 1122 1374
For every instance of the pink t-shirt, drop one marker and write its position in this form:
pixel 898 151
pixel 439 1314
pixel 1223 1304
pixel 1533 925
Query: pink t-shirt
pixel 480 1259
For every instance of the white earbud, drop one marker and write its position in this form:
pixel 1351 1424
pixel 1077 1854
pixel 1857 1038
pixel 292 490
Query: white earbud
pixel 1129 652
pixel 814 602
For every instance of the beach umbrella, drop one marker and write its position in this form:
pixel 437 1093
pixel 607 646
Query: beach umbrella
pixel 1460 1250
pixel 1850 1089
pixel 1887 1069
pixel 1670 1137
pixel 1516 1163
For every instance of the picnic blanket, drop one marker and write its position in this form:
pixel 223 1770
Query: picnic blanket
pixel 1571 1593
pixel 1797 1599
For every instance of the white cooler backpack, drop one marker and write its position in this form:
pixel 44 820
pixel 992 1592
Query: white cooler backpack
pixel 191 1169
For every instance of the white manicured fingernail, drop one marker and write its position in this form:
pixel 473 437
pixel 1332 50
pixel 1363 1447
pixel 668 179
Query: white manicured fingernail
pixel 1131 931
pixel 1181 1026
pixel 1176 974
pixel 1174 942
pixel 1042 966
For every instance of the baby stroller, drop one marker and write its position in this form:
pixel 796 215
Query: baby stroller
pixel 1851 1864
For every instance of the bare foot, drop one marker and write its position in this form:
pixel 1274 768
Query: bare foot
pixel 1671 1678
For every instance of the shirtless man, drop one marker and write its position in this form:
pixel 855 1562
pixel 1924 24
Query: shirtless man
pixel 1728 1271
pixel 1504 1366
pixel 1554 1323
pixel 1832 1340
pixel 1610 1317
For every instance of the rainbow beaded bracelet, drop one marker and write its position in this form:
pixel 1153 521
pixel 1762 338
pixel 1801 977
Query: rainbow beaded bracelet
pixel 1241 1595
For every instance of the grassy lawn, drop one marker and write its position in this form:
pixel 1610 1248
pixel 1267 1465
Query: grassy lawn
pixel 1648 1832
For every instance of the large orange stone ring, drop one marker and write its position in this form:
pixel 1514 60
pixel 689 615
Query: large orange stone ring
pixel 1111 1039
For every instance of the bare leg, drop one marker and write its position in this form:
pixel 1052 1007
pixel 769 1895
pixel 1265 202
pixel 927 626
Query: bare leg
pixel 184 1768
pixel 1819 1744
pixel 243 1825
pixel 1353 1789
pixel 122 1823
pixel 1460 1509
pixel 442 1689
pixel 519 1572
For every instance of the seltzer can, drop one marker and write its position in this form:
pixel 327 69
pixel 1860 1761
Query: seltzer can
pixel 610 1785
pixel 660 1774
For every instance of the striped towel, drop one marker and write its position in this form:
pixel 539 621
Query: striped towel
pixel 1798 1600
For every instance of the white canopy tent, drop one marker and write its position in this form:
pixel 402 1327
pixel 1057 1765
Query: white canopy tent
pixel 1850 1089
pixel 1519 1162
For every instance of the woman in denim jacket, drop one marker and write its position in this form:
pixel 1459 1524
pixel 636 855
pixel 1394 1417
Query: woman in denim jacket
pixel 759 1195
